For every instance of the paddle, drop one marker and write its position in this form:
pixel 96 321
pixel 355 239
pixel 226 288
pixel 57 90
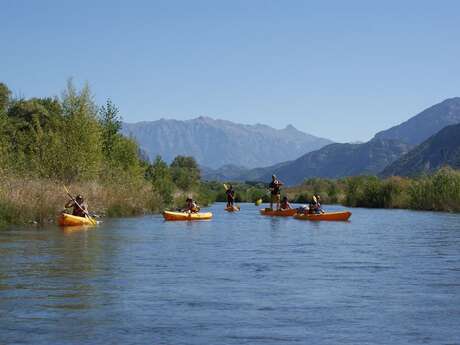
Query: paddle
pixel 80 207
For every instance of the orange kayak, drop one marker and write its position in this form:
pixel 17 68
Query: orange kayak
pixel 280 213
pixel 324 216
pixel 169 215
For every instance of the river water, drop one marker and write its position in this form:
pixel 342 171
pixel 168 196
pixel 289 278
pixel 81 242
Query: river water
pixel 384 277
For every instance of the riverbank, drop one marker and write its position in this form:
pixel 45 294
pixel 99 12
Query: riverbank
pixel 39 201
pixel 437 192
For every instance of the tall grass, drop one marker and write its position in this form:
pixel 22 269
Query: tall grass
pixel 437 192
pixel 31 200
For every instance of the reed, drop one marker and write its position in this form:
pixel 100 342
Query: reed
pixel 31 200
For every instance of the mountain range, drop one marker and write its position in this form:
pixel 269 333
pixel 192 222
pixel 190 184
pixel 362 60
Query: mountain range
pixel 335 161
pixel 235 152
pixel 340 160
pixel 215 143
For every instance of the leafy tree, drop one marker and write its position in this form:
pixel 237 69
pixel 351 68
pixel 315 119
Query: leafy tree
pixel 111 125
pixel 4 141
pixel 162 183
pixel 82 155
pixel 185 172
pixel 33 124
pixel 5 96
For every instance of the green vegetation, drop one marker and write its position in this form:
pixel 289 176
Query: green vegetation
pixel 48 142
pixel 244 192
pixel 437 192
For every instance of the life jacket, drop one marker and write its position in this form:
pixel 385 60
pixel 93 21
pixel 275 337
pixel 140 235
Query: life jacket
pixel 275 187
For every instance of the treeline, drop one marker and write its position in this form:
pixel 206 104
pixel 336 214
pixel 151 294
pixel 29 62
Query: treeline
pixel 48 142
pixel 437 192
pixel 67 139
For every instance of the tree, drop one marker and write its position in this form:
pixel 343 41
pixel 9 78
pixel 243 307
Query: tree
pixel 111 126
pixel 4 141
pixel 5 96
pixel 82 154
pixel 160 176
pixel 33 126
pixel 185 172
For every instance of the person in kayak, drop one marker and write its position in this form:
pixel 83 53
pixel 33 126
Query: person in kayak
pixel 315 205
pixel 191 206
pixel 318 204
pixel 275 190
pixel 285 205
pixel 230 196
pixel 79 206
pixel 312 205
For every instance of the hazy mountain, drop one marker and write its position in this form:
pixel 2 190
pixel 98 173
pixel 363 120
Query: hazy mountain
pixel 215 143
pixel 226 172
pixel 335 161
pixel 339 160
pixel 425 124
pixel 439 150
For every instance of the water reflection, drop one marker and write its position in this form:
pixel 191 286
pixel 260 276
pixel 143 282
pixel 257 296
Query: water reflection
pixel 239 278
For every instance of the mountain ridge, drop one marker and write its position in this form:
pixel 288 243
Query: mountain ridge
pixel 420 127
pixel 340 160
pixel 439 150
pixel 217 142
pixel 334 161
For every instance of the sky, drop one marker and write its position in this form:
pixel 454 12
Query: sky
pixel 343 70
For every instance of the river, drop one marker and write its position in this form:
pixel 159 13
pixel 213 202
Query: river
pixel 384 277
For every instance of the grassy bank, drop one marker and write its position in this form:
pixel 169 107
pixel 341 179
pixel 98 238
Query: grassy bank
pixel 29 200
pixel 437 192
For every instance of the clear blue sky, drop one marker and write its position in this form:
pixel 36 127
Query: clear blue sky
pixel 338 69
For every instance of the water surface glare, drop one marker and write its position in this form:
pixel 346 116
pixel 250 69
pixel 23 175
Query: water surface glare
pixel 385 277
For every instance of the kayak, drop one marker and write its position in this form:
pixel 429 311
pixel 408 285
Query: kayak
pixel 170 215
pixel 258 202
pixel 232 209
pixel 324 216
pixel 281 213
pixel 66 219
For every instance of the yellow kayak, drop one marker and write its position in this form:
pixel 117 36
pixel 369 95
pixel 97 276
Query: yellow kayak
pixel 280 213
pixel 170 215
pixel 324 216
pixel 69 220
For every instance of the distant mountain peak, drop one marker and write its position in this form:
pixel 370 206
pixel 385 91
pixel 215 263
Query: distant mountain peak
pixel 290 127
pixel 216 142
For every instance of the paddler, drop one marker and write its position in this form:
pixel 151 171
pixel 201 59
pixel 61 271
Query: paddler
pixel 230 196
pixel 275 190
pixel 191 206
pixel 315 205
pixel 80 208
pixel 318 204
pixel 285 205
